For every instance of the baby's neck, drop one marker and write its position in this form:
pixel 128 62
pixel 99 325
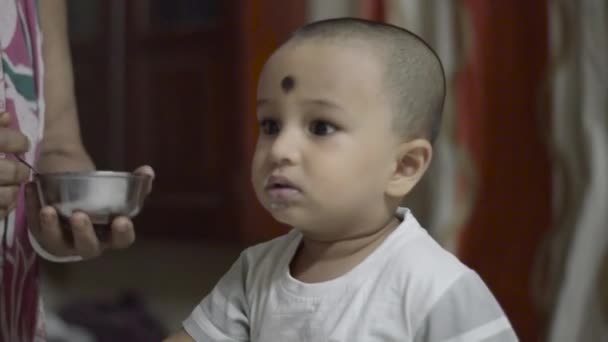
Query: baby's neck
pixel 318 261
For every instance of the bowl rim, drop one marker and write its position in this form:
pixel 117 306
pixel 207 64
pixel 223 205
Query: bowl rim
pixel 88 174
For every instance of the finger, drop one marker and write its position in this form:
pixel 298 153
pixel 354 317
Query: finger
pixel 148 171
pixel 7 208
pixel 8 196
pixel 86 242
pixel 13 172
pixel 50 233
pixel 123 233
pixel 5 119
pixel 13 141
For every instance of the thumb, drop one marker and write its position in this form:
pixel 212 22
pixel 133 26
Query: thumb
pixel 146 170
pixel 5 119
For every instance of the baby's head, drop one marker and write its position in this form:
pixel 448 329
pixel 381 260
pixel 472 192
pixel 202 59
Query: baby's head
pixel 348 110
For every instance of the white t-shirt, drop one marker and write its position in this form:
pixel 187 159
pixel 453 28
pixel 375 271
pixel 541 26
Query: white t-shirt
pixel 408 289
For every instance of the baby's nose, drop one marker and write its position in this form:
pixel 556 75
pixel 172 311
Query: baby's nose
pixel 285 148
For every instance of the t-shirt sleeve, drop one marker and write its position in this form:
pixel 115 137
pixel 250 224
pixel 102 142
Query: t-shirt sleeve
pixel 222 316
pixel 466 312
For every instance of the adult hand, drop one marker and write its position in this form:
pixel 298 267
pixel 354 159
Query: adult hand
pixel 81 239
pixel 12 172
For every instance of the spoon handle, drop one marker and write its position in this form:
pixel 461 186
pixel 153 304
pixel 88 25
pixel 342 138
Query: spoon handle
pixel 27 164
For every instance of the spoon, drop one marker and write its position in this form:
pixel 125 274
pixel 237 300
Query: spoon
pixel 27 164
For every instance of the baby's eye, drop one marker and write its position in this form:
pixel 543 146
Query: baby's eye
pixel 269 126
pixel 319 127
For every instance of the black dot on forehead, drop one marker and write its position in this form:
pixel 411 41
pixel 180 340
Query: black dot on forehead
pixel 288 83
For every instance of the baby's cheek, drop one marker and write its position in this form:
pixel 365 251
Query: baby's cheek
pixel 258 164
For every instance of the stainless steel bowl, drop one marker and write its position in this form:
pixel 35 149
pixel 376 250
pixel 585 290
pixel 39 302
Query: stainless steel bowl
pixel 103 195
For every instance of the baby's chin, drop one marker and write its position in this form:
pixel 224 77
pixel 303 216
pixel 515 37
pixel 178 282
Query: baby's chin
pixel 289 215
pixel 308 227
pixel 282 213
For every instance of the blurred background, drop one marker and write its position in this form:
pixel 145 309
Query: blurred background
pixel 518 189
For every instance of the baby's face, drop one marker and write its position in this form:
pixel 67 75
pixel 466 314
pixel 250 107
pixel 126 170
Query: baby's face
pixel 326 148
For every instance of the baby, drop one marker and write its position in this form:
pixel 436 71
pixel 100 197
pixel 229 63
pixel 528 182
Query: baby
pixel 348 110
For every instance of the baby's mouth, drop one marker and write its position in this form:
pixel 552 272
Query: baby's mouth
pixel 279 182
pixel 278 186
pixel 281 190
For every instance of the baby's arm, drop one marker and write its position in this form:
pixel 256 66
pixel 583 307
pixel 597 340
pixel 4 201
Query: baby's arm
pixel 223 314
pixel 467 311
pixel 181 336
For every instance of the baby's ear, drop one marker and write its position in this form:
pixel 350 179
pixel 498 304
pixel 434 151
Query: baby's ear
pixel 412 161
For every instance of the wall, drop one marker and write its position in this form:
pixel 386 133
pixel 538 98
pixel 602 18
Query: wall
pixel 323 9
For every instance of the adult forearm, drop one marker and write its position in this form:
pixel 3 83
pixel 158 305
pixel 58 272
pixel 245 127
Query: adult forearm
pixel 66 158
pixel 61 148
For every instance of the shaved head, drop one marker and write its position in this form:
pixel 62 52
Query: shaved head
pixel 413 74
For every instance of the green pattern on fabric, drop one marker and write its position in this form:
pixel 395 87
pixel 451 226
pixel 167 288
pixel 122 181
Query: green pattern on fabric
pixel 24 83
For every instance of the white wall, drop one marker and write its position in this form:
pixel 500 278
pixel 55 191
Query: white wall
pixel 324 9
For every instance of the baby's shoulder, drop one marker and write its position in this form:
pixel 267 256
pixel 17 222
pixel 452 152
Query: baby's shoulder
pixel 428 277
pixel 423 263
pixel 270 254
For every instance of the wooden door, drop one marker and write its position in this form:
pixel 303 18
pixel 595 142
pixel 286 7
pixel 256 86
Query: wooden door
pixel 175 88
pixel 181 107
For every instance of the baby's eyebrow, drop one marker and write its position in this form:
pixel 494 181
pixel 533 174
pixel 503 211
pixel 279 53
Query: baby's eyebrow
pixel 322 103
